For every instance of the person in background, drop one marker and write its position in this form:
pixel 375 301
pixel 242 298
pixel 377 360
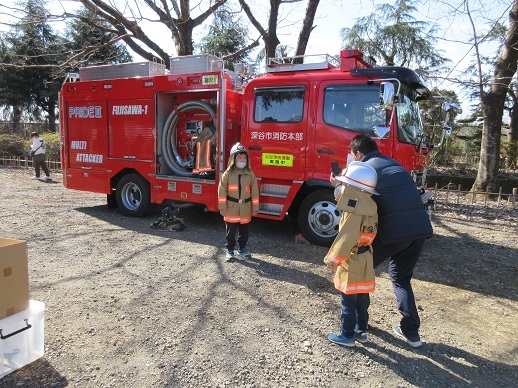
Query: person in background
pixel 238 200
pixel 38 156
pixel 403 227
pixel 350 255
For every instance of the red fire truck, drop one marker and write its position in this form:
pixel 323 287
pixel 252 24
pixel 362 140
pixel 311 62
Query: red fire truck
pixel 143 135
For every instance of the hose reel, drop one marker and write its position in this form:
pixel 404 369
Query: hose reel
pixel 170 137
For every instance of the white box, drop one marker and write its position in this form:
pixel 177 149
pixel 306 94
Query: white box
pixel 21 338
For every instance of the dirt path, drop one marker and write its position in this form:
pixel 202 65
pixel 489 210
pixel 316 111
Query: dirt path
pixel 129 306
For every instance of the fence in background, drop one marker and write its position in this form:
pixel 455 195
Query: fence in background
pixel 447 194
pixel 451 194
pixel 54 165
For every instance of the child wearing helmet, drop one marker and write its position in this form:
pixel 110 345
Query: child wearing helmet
pixel 350 255
pixel 238 200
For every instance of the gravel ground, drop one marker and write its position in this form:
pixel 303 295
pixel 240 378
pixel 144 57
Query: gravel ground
pixel 130 306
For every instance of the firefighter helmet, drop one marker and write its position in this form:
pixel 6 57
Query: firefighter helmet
pixel 362 176
pixel 237 149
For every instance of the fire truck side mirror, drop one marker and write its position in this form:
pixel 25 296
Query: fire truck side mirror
pixel 451 106
pixel 387 95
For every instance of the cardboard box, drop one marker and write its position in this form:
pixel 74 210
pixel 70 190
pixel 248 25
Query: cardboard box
pixel 21 338
pixel 14 277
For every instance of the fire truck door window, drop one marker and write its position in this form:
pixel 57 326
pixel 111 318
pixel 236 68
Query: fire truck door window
pixel 279 105
pixel 409 123
pixel 353 107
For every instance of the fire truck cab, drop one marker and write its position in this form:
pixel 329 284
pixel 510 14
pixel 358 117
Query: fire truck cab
pixel 145 136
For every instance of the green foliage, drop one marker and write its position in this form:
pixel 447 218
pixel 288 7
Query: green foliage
pixel 30 50
pixel 13 145
pixel 227 35
pixel 89 38
pixel 52 144
pixel 433 116
pixel 17 145
pixel 33 55
pixel 392 34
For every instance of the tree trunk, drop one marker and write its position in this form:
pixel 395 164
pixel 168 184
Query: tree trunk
pixel 52 115
pixel 184 44
pixel 271 41
pixel 512 152
pixel 307 27
pixel 17 118
pixel 493 107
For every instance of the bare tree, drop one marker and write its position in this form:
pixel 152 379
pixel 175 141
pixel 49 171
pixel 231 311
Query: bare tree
pixel 493 105
pixel 269 34
pixel 176 15
pixel 307 27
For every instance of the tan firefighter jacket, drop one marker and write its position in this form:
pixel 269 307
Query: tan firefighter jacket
pixel 350 252
pixel 238 194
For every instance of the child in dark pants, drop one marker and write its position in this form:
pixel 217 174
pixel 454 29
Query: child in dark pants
pixel 350 255
pixel 238 200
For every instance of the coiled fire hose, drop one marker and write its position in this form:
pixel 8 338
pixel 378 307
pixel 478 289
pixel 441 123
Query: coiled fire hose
pixel 170 137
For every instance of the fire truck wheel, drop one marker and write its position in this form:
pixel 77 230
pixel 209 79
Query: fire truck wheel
pixel 319 217
pixel 133 196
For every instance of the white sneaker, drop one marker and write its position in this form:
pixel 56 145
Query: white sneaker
pixel 34 178
pixel 48 178
pixel 414 342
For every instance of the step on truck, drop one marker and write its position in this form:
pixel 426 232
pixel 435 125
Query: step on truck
pixel 145 135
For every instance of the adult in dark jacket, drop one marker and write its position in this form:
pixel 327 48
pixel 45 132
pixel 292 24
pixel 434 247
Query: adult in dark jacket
pixel 403 227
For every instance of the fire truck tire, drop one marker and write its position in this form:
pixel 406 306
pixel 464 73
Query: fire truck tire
pixel 319 217
pixel 133 196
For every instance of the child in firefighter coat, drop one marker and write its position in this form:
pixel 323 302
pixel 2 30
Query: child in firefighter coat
pixel 350 255
pixel 238 200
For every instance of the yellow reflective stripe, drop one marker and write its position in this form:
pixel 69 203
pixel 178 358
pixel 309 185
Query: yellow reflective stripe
pixel 335 259
pixel 232 219
pixel 246 220
pixel 367 238
pixel 355 288
pixel 237 219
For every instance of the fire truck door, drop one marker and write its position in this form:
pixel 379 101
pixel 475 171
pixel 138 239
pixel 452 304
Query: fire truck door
pixel 344 111
pixel 276 132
